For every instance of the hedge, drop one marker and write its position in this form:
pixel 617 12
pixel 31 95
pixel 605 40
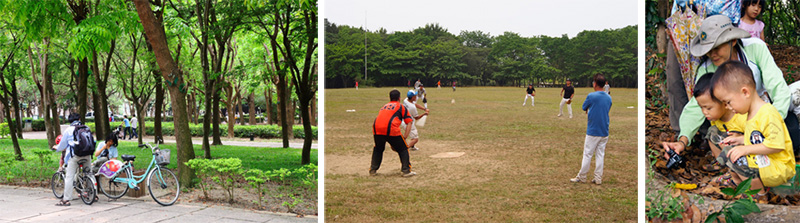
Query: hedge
pixel 246 119
pixel 241 131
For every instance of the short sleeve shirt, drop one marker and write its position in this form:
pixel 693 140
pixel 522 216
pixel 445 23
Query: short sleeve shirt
pixel 568 91
pixel 389 118
pixel 530 90
pixel 597 105
pixel 736 124
pixel 767 128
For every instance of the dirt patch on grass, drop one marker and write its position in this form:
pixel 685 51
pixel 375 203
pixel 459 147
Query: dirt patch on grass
pixel 516 165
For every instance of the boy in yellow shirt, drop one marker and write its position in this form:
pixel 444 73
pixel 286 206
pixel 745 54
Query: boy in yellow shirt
pixel 724 122
pixel 767 155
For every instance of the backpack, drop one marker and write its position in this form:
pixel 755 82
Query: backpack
pixel 84 141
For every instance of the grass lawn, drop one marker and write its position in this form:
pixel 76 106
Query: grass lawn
pixel 252 157
pixel 516 167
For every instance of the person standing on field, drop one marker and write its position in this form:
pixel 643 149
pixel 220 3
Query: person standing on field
pixel 566 98
pixel 596 105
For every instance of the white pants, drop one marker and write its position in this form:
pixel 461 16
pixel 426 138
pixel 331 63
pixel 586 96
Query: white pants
pixel 591 146
pixel 561 107
pixel 526 99
pixel 72 169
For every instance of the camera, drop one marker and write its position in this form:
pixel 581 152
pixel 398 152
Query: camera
pixel 675 160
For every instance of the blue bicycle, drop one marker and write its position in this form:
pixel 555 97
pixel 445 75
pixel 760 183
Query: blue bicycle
pixel 162 183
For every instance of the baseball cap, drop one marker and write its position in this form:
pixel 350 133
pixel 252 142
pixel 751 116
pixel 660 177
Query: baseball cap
pixel 411 93
pixel 715 31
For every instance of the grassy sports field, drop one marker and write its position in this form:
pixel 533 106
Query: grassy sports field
pixel 516 167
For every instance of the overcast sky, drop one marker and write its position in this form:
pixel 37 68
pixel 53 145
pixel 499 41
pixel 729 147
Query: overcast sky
pixel 526 17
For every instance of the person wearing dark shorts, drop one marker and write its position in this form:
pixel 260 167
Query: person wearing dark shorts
pixel 386 128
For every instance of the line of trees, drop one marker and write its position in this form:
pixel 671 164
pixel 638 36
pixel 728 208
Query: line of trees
pixel 160 57
pixel 432 54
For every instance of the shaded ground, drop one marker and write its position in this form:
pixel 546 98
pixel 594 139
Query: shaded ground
pixel 19 204
pixel 516 165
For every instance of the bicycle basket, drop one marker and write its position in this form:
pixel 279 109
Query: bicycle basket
pixel 163 157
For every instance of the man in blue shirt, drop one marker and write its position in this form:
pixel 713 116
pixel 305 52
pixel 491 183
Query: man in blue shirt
pixel 597 105
pixel 127 127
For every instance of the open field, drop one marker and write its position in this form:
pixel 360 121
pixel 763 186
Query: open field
pixel 517 163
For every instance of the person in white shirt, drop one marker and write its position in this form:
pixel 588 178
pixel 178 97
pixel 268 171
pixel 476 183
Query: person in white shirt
pixel 413 136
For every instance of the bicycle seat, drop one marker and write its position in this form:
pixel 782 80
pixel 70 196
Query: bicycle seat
pixel 82 162
pixel 128 157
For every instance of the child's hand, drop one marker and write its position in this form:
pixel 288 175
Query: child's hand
pixel 736 152
pixel 733 140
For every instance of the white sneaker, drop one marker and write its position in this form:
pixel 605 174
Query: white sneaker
pixel 410 174
pixel 415 148
pixel 570 116
pixel 576 180
pixel 596 181
pixel 559 115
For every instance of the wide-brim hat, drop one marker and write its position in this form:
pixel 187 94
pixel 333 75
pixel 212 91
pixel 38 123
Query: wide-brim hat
pixel 715 31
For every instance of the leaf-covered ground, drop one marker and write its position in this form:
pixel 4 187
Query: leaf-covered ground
pixel 658 130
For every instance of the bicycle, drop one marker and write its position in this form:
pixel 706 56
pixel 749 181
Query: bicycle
pixel 162 183
pixel 84 183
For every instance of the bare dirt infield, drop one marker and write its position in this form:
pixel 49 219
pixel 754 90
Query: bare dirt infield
pixel 516 167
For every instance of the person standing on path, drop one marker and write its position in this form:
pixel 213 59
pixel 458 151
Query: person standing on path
pixel 127 126
pixel 597 106
pixel 411 105
pixel 566 98
pixel 530 93
pixel 386 128
pixel 134 124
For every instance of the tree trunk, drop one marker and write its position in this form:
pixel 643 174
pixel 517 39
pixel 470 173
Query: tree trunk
pixel 154 29
pixel 12 128
pixel 282 109
pixel 239 108
pixel 268 116
pixel 313 110
pixel 158 107
pixel 17 110
pixel 251 100
pixel 230 107
pixel 217 139
pixel 308 133
pixel 83 82
pixel 661 34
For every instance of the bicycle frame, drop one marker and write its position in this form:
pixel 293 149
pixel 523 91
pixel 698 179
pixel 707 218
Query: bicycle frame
pixel 133 180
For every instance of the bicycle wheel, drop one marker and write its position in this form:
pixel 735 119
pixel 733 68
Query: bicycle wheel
pixel 110 188
pixel 57 184
pixel 86 190
pixel 163 186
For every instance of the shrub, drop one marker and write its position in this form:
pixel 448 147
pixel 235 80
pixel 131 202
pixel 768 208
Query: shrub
pixel 225 172
pixel 4 130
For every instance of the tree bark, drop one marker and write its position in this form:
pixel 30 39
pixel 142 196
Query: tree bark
pixel 230 106
pixel 154 29
pixel 251 100
pixel 217 140
pixel 17 110
pixel 83 81
pixel 158 107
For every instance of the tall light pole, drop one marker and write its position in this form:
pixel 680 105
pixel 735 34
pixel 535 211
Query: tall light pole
pixel 365 45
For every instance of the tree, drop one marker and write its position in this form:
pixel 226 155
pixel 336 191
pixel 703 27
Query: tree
pixel 172 74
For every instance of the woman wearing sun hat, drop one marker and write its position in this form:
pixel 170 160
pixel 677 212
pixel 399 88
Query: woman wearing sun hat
pixel 719 41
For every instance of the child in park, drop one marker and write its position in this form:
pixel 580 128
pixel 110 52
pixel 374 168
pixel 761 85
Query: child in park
pixel 596 105
pixel 750 10
pixel 765 151
pixel 724 122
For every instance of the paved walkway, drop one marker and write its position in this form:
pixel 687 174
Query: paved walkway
pixel 196 140
pixel 21 204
